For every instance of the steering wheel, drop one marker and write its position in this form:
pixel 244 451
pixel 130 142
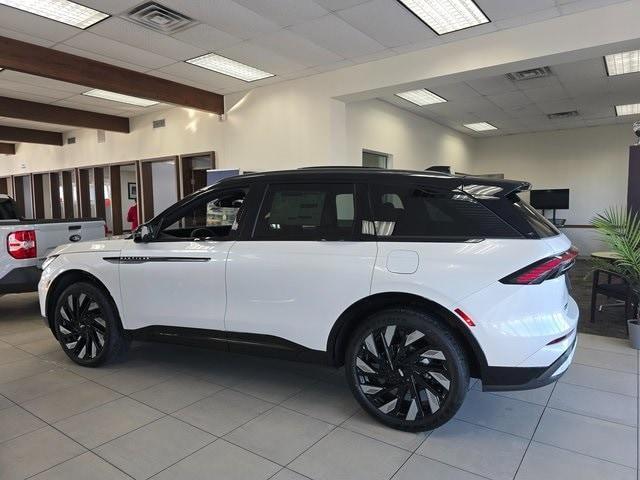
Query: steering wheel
pixel 201 232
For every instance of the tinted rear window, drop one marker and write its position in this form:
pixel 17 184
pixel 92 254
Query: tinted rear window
pixel 521 216
pixel 413 212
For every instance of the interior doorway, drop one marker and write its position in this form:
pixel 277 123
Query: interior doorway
pixel 194 171
pixel 159 185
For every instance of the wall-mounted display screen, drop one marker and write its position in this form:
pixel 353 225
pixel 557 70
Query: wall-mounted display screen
pixel 550 199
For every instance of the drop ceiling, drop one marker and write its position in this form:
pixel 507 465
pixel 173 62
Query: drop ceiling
pixel 289 38
pixel 522 106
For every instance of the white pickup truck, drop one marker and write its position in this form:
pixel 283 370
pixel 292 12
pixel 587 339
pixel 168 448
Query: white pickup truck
pixel 24 244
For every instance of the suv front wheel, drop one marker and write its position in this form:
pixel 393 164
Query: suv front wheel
pixel 407 369
pixel 86 324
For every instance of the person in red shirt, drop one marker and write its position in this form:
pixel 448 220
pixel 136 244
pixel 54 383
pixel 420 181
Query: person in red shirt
pixel 132 216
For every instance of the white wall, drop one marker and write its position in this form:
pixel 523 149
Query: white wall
pixel 186 131
pixel 415 143
pixel 591 162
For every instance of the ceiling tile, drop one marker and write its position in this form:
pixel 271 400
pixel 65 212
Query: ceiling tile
pixel 534 17
pixel 492 85
pixel 556 106
pixel 387 22
pixel 336 35
pixel 17 20
pixel 5 32
pixel 211 80
pixel 35 89
pixel 43 82
pixel 110 48
pixel 73 103
pixel 140 37
pixel 285 12
pixel 567 8
pixel 454 91
pixel 113 7
pixel 10 92
pixel 501 9
pixel 509 100
pixel 207 37
pixel 298 49
pixel 577 71
pixel 100 58
pixel 339 4
pixel 226 15
pixel 546 93
pixel 258 56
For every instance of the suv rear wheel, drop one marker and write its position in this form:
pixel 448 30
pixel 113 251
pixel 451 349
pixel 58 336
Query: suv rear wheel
pixel 407 369
pixel 86 324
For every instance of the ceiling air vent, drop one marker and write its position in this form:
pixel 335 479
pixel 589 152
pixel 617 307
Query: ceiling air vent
pixel 562 115
pixel 157 17
pixel 159 123
pixel 540 72
pixel 71 140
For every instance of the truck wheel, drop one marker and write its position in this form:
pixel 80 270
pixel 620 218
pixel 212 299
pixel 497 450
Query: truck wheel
pixel 407 369
pixel 87 326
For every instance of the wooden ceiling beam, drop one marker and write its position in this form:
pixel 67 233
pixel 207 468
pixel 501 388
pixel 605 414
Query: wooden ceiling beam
pixel 41 112
pixel 27 135
pixel 46 62
pixel 8 148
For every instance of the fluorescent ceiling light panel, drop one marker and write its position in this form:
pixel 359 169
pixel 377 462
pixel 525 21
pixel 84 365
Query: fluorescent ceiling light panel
pixel 229 67
pixel 421 97
pixel 444 16
pixel 63 11
pixel 480 126
pixel 118 97
pixel 624 62
pixel 630 109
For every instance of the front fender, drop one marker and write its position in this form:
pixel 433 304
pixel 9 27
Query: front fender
pixel 88 264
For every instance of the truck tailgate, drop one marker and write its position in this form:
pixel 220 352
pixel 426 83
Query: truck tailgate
pixel 50 235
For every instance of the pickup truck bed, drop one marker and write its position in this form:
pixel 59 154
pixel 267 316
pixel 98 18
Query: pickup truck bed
pixel 24 244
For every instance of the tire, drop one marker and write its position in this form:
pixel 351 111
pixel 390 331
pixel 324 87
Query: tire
pixel 407 369
pixel 87 326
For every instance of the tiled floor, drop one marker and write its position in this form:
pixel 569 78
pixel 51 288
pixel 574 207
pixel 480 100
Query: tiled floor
pixel 172 412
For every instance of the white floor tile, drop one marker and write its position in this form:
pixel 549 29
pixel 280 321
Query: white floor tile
pixel 590 436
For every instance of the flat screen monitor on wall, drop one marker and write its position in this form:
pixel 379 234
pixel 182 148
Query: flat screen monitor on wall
pixel 557 199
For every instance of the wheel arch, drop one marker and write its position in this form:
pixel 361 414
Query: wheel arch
pixel 67 278
pixel 357 312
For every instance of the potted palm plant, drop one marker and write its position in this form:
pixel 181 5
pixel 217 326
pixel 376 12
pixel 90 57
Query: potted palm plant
pixel 620 230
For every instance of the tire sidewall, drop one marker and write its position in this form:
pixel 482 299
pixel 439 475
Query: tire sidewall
pixel 108 315
pixel 441 337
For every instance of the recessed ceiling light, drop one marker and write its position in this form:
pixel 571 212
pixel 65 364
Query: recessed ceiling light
pixel 421 97
pixel 630 109
pixel 444 16
pixel 623 62
pixel 480 126
pixel 118 97
pixel 229 67
pixel 63 11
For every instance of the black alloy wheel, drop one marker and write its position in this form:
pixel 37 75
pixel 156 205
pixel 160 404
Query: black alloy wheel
pixel 86 326
pixel 407 370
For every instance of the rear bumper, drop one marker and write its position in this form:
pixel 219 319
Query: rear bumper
pixel 527 378
pixel 20 280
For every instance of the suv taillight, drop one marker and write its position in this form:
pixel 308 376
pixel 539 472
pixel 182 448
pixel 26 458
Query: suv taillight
pixel 545 269
pixel 22 244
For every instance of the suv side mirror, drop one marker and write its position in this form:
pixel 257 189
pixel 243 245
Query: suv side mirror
pixel 142 234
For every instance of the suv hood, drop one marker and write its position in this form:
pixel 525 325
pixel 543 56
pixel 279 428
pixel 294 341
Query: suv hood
pixel 104 245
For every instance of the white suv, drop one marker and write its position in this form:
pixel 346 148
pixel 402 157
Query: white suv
pixel 414 281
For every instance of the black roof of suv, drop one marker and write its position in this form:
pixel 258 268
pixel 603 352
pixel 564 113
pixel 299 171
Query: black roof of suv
pixel 477 186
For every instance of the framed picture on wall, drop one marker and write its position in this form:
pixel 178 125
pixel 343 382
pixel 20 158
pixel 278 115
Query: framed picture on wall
pixel 132 191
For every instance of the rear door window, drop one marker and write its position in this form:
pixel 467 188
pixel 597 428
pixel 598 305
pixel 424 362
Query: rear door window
pixel 414 212
pixel 307 212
